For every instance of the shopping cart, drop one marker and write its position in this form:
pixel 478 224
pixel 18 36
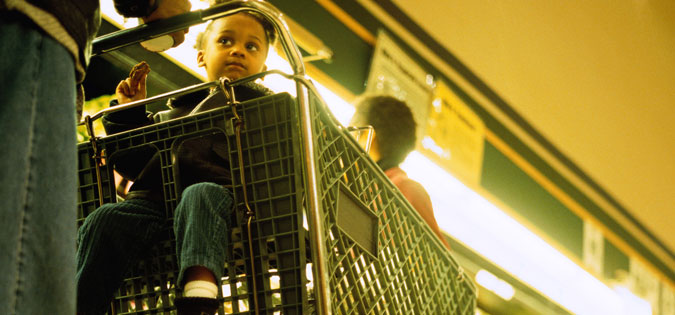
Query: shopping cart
pixel 318 227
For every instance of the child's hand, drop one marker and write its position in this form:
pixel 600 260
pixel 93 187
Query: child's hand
pixel 133 88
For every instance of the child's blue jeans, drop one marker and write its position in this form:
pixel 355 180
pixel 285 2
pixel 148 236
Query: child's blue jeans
pixel 115 236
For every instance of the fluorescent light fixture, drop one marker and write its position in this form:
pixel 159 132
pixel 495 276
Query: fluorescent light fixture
pixel 471 219
pixel 494 284
pixel 632 303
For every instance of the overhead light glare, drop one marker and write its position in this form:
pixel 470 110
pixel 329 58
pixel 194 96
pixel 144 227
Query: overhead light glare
pixel 494 284
pixel 490 232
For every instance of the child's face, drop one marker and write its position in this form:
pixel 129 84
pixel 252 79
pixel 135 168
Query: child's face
pixel 235 47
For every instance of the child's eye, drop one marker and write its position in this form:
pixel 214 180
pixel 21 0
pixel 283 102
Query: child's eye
pixel 252 47
pixel 225 41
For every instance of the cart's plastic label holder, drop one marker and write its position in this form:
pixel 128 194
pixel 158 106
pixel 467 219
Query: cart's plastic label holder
pixel 357 221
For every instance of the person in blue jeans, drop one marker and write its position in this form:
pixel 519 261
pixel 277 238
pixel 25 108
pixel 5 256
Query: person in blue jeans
pixel 44 51
pixel 114 237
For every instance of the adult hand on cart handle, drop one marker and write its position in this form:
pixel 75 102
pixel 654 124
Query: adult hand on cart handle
pixel 133 88
pixel 169 8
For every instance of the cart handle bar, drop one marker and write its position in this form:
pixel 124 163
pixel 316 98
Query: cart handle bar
pixel 125 37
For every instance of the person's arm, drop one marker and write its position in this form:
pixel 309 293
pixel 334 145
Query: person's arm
pixel 151 10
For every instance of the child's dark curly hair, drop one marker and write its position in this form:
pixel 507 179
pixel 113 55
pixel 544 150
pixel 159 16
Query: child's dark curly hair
pixel 268 27
pixel 393 122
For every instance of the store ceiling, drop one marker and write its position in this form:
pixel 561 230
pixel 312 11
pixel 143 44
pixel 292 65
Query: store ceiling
pixel 595 78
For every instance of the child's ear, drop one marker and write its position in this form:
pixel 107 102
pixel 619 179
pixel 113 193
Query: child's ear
pixel 264 68
pixel 200 58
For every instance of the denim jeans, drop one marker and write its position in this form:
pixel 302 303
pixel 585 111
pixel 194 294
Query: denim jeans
pixel 114 237
pixel 38 175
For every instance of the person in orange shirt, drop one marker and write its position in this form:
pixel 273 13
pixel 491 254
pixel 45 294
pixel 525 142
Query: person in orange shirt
pixel 394 139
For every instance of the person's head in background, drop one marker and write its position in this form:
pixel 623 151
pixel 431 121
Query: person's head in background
pixel 394 126
pixel 235 46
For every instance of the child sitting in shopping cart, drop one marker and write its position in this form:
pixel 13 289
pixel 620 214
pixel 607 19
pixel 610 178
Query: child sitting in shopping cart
pixel 115 236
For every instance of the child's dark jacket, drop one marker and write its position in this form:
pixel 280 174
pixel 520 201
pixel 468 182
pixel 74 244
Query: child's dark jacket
pixel 200 159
